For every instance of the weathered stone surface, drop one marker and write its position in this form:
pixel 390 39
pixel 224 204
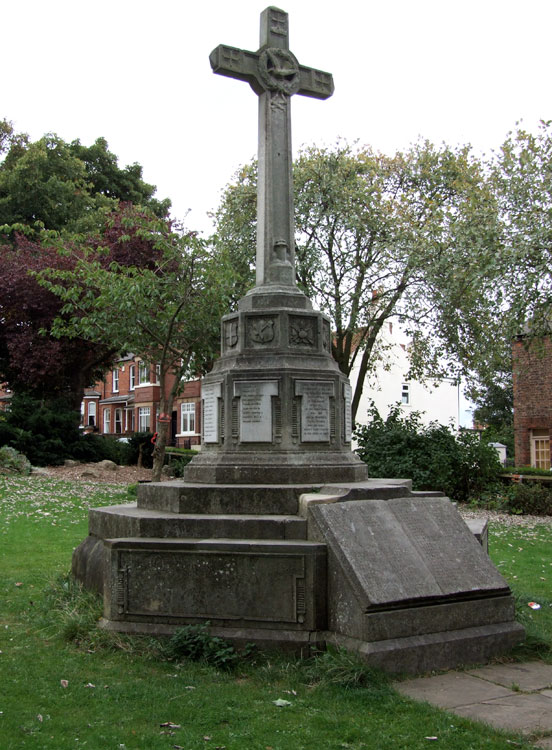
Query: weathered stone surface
pixel 400 550
pixel 107 465
pixel 88 564
pixel 119 521
pixel 235 583
pixel 435 650
pixel 527 676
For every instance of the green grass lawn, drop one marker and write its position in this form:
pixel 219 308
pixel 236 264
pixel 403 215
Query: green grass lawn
pixel 107 692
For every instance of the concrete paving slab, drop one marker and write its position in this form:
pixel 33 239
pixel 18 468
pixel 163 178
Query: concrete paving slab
pixel 517 713
pixel 527 676
pixel 451 689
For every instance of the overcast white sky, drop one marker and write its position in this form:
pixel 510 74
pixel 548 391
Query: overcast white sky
pixel 138 74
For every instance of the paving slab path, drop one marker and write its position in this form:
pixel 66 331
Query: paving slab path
pixel 514 697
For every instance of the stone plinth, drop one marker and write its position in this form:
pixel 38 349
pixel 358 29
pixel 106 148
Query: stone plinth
pixel 276 408
pixel 396 576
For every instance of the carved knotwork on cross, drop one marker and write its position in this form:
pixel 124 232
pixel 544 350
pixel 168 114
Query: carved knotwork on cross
pixel 275 75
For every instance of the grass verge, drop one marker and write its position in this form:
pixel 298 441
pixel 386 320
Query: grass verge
pixel 66 684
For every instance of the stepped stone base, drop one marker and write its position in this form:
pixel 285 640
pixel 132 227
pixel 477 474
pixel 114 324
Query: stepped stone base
pixel 394 575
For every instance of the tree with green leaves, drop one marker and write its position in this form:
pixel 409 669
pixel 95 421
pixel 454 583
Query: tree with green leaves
pixel 412 236
pixel 65 186
pixel 167 312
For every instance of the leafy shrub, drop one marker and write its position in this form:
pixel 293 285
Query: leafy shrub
pixel 194 642
pixel 94 448
pixel 138 443
pixel 432 456
pixel 182 459
pixel 45 431
pixel 532 499
pixel 13 462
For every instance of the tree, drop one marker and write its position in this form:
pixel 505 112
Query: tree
pixel 46 187
pixel 65 186
pixel 413 236
pixel 167 312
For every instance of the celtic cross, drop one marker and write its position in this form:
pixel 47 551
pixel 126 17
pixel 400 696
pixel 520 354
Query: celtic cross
pixel 274 75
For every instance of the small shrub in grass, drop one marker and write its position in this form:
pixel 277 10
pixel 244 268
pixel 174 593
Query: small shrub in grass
pixel 195 643
pixel 13 462
pixel 345 669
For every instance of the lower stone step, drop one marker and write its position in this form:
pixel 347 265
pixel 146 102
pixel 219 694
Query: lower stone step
pixel 119 521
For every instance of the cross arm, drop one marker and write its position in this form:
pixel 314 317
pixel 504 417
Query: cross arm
pixel 236 63
pixel 315 83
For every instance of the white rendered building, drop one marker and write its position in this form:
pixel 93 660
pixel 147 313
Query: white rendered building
pixel 436 400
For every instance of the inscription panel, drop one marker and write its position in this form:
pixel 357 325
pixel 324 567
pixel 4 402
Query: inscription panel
pixel 315 409
pixel 347 419
pixel 256 409
pixel 210 394
pixel 210 584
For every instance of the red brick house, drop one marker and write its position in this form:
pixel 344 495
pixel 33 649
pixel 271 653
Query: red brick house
pixel 532 370
pixel 127 401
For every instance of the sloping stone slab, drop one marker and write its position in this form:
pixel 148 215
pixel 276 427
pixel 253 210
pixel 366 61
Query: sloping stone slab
pixel 405 550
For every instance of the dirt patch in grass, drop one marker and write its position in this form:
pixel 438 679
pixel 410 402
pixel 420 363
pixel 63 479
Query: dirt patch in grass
pixel 93 472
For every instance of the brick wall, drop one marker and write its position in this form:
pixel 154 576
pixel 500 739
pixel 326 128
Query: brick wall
pixel 532 370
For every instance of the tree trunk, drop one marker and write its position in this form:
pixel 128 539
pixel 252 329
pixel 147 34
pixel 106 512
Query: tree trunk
pixel 159 451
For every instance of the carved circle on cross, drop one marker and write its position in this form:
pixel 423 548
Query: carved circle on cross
pixel 279 70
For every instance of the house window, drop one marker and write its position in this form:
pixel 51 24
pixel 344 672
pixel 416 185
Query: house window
pixel 405 395
pixel 143 373
pixel 118 421
pixel 115 381
pixel 132 377
pixel 540 449
pixel 157 373
pixel 92 413
pixel 107 421
pixel 187 423
pixel 144 419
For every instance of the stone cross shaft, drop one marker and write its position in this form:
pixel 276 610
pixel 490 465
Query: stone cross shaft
pixel 274 75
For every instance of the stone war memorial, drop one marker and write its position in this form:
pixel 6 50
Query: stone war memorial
pixel 276 536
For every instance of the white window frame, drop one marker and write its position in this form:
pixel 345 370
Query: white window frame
pixel 144 418
pixel 132 377
pixel 107 420
pixel 92 414
pixel 188 418
pixel 405 394
pixel 118 422
pixel 540 449
pixel 115 381
pixel 143 374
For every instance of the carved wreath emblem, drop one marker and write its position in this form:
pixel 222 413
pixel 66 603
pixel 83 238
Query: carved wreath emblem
pixel 302 332
pixel 262 331
pixel 279 70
